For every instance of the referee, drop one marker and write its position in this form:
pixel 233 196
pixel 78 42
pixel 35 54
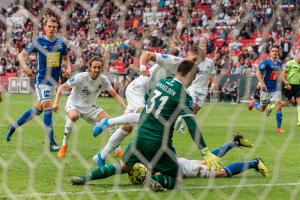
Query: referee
pixel 291 80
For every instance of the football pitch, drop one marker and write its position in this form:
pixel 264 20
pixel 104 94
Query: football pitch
pixel 30 171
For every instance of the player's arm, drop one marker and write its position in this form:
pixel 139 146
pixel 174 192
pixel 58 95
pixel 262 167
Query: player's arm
pixel 67 66
pixel 1 96
pixel 260 80
pixel 210 159
pixel 61 88
pixel 213 81
pixel 21 58
pixel 145 58
pixel 117 98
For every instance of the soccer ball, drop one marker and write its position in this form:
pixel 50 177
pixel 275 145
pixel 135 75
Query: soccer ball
pixel 137 174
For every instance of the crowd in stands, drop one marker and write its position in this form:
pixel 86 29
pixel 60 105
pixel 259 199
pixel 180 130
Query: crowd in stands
pixel 239 32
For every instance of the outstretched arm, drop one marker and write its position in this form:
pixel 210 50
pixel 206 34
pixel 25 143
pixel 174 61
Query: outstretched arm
pixel 61 88
pixel 117 98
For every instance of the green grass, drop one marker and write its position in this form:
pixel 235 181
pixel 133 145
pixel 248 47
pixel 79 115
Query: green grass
pixel 27 168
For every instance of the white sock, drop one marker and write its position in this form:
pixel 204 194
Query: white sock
pixel 128 118
pixel 68 129
pixel 113 142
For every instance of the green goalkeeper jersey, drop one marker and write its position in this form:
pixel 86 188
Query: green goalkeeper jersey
pixel 165 103
pixel 292 69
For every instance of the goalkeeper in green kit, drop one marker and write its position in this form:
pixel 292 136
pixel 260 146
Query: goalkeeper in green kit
pixel 152 144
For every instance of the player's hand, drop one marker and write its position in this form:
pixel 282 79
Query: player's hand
pixel 263 87
pixel 288 87
pixel 55 107
pixel 212 161
pixel 29 72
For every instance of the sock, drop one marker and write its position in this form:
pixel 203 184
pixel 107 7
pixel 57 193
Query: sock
pixel 128 118
pixel 165 181
pixel 27 116
pixel 48 125
pixel 256 105
pixel 239 167
pixel 104 172
pixel 221 151
pixel 298 111
pixel 113 142
pixel 68 129
pixel 278 118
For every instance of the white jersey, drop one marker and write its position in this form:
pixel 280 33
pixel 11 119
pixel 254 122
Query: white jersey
pixel 206 70
pixel 85 90
pixel 193 169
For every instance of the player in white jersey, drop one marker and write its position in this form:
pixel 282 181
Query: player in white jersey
pixel 86 87
pixel 134 93
pixel 198 168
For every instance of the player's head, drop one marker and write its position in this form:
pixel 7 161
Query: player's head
pixel 95 67
pixel 274 52
pixel 187 71
pixel 50 24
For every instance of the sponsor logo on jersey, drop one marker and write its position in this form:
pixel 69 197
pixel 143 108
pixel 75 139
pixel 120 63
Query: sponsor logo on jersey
pixel 86 91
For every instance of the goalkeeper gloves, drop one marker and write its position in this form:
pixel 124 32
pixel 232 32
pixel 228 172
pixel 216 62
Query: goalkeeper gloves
pixel 212 161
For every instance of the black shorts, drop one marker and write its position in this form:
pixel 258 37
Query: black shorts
pixel 257 94
pixel 294 92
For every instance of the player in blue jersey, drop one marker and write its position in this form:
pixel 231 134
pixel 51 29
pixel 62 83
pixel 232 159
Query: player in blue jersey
pixel 51 52
pixel 268 75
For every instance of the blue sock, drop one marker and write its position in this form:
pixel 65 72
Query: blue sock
pixel 48 125
pixel 278 118
pixel 221 151
pixel 27 116
pixel 256 105
pixel 239 167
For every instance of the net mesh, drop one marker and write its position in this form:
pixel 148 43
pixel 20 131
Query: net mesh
pixel 118 31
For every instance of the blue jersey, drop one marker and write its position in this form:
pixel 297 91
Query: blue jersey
pixel 49 54
pixel 270 71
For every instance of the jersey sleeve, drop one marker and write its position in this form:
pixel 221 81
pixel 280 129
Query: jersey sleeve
pixel 167 59
pixel 31 47
pixel 194 130
pixel 262 66
pixel 106 85
pixel 287 67
pixel 75 80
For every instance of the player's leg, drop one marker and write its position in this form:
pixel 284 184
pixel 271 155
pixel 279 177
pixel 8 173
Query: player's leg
pixel 238 140
pixel 112 129
pixel 264 101
pixel 126 118
pixel 26 117
pixel 110 169
pixel 276 97
pixel 72 116
pixel 239 167
pixel 296 92
pixel 113 142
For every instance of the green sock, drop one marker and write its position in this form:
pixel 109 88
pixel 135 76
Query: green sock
pixel 298 111
pixel 165 181
pixel 104 172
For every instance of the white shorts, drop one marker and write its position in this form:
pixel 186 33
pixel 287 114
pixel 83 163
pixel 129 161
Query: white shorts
pixel 265 97
pixel 87 113
pixel 44 92
pixel 193 168
pixel 135 98
pixel 198 98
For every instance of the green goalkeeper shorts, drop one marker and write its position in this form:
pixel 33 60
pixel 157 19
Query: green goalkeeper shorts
pixel 145 151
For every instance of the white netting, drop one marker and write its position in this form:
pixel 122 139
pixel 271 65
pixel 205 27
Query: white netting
pixel 239 35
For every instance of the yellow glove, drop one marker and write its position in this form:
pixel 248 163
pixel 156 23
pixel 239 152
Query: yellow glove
pixel 212 161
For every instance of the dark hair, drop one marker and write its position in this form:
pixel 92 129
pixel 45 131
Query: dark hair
pixel 93 59
pixel 185 67
pixel 274 47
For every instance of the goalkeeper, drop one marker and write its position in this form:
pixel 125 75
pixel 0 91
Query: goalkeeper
pixel 153 141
